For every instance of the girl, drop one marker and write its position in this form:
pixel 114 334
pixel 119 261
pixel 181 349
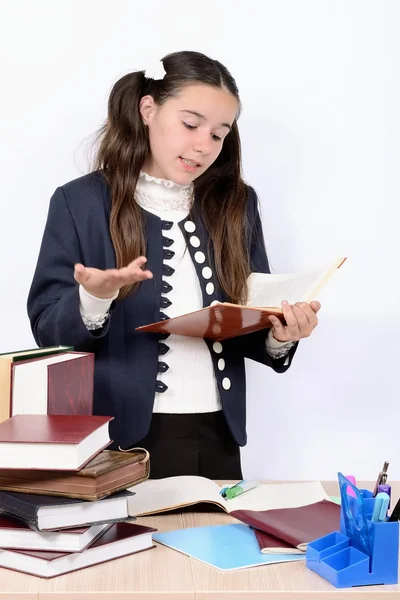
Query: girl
pixel 164 225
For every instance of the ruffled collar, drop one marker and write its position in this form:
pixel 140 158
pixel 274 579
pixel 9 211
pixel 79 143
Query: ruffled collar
pixel 153 193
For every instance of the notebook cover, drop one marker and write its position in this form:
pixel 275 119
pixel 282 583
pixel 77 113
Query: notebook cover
pixel 225 547
pixel 294 526
pixel 49 429
pixel 105 474
pixel 218 322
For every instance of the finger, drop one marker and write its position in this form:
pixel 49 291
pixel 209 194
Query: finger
pixel 289 315
pixel 278 329
pixel 138 262
pixel 80 274
pixel 309 313
pixel 302 320
pixel 315 306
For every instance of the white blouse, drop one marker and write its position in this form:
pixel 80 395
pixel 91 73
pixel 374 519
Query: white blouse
pixel 192 386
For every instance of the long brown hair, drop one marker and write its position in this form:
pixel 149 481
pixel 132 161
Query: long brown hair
pixel 220 192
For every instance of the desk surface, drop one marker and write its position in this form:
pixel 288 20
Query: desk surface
pixel 163 573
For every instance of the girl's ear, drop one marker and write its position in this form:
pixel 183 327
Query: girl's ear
pixel 147 108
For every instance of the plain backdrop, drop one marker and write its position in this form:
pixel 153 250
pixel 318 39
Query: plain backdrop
pixel 319 82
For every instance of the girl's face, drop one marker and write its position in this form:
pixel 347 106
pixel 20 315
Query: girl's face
pixel 187 132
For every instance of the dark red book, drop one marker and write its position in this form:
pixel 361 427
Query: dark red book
pixel 61 384
pixel 57 442
pixel 120 540
pixel 291 527
pixel 15 534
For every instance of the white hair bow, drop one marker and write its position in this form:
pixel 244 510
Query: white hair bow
pixel 156 71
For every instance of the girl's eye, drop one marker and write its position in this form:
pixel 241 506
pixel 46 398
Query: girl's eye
pixel 216 138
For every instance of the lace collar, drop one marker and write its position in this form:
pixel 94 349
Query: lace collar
pixel 153 193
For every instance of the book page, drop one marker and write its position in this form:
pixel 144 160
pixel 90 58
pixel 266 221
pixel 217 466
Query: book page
pixel 269 496
pixel 158 495
pixel 270 290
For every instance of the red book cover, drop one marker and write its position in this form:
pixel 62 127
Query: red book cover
pixel 64 387
pixel 49 429
pixel 70 386
pixel 295 527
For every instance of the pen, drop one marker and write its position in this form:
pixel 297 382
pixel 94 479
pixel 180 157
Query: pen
pixel 239 488
pixel 382 477
pixel 380 507
pixel 395 516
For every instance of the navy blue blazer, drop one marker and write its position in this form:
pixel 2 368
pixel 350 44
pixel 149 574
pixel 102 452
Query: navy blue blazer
pixel 127 361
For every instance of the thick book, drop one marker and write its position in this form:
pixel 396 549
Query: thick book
pixel 291 529
pixel 60 384
pixel 223 320
pixel 58 442
pixel 107 473
pixel 50 513
pixel 15 534
pixel 160 495
pixel 119 540
pixel 7 360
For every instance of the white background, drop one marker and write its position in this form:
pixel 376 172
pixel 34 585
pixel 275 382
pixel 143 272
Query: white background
pixel 319 82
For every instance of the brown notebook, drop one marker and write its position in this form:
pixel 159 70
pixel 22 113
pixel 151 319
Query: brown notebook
pixel 282 530
pixel 223 320
pixel 109 472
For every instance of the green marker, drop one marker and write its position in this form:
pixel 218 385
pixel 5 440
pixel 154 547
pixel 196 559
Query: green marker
pixel 239 488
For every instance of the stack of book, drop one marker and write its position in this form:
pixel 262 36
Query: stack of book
pixel 64 496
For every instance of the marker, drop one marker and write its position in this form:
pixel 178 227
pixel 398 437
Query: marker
pixel 380 508
pixel 384 487
pixel 239 488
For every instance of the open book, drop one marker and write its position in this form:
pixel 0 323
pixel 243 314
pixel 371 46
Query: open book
pixel 160 495
pixel 223 320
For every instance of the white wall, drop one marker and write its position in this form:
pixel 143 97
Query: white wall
pixel 320 131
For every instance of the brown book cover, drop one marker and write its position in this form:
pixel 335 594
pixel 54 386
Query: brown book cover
pixel 59 442
pixel 294 527
pixel 223 320
pixel 6 362
pixel 109 472
pixel 59 384
pixel 119 540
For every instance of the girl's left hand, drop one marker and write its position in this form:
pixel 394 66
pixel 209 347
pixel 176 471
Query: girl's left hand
pixel 301 319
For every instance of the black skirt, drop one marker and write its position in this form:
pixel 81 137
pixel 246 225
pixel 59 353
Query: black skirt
pixel 192 444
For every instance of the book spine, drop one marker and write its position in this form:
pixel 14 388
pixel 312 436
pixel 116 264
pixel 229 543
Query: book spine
pixel 14 506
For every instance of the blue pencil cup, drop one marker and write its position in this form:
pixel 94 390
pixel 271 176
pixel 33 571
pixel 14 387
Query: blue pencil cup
pixel 345 563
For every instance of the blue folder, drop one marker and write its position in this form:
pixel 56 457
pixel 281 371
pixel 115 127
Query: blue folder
pixel 225 547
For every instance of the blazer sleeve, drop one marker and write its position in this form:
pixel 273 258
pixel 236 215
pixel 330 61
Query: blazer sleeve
pixel 253 345
pixel 53 299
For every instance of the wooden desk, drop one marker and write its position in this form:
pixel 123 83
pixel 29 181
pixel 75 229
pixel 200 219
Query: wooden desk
pixel 163 573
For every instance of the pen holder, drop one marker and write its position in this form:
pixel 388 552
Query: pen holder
pixel 337 559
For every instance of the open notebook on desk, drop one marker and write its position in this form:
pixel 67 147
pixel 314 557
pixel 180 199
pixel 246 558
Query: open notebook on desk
pixel 223 320
pixel 160 495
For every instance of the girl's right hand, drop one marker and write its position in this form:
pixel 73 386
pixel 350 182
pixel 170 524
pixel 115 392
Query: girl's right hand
pixel 106 284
